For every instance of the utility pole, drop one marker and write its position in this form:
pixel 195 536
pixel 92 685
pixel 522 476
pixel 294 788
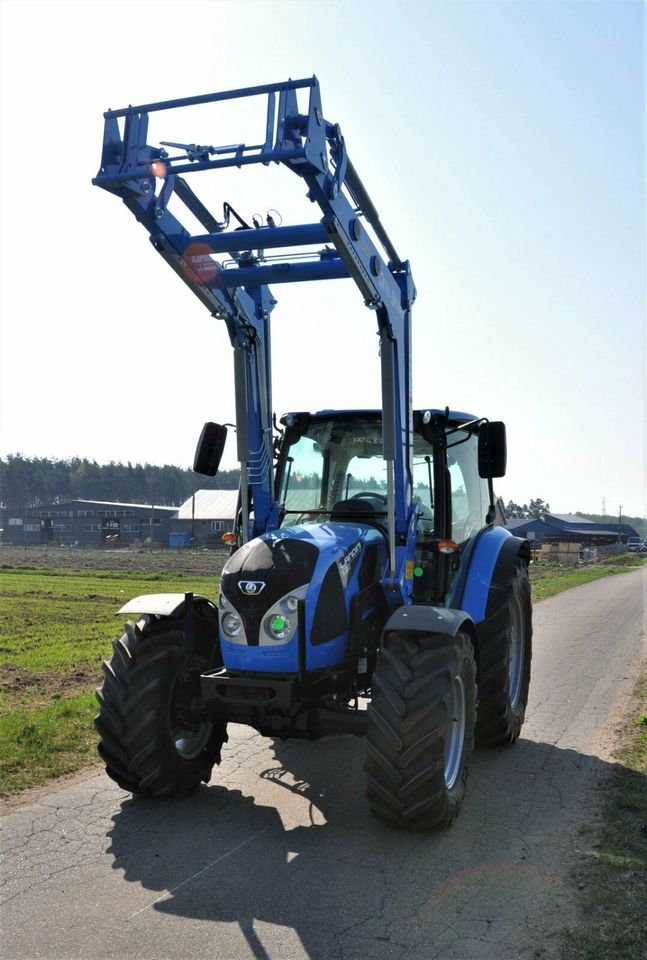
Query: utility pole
pixel 619 524
pixel 152 515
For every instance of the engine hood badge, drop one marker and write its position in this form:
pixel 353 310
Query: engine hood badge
pixel 251 587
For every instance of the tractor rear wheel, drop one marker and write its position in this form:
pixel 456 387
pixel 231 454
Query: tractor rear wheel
pixel 421 729
pixel 150 742
pixel 505 652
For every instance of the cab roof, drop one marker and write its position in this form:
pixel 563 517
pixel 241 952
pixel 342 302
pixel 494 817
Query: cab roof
pixel 453 415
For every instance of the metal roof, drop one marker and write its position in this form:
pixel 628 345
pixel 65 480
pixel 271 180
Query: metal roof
pixel 569 518
pixel 556 526
pixel 99 503
pixel 210 505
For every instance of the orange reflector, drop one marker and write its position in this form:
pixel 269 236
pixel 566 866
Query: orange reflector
pixel 447 546
pixel 229 538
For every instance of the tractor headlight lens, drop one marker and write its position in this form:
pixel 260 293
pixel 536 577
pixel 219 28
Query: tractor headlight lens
pixel 278 627
pixel 281 622
pixel 231 624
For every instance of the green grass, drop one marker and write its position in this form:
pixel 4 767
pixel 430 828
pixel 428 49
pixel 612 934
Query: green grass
pixel 61 620
pixel 56 627
pixel 613 921
pixel 46 741
pixel 557 581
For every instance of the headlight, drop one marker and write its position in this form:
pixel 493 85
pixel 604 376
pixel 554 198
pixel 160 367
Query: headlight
pixel 231 624
pixel 282 619
pixel 279 627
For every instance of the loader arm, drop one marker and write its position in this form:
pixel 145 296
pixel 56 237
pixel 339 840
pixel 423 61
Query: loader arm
pixel 147 177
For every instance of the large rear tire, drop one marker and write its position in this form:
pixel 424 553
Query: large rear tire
pixel 421 730
pixel 505 653
pixel 149 742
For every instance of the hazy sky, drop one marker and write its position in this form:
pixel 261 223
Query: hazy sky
pixel 503 145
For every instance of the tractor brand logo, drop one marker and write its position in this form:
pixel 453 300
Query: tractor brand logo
pixel 347 563
pixel 251 587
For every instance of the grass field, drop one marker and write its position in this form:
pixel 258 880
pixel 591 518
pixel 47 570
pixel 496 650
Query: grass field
pixel 56 626
pixel 550 580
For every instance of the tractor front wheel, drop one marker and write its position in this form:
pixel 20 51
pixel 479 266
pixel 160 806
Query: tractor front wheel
pixel 151 743
pixel 421 729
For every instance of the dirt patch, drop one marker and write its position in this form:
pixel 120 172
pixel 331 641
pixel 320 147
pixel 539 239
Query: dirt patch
pixel 203 562
pixel 628 706
pixel 46 686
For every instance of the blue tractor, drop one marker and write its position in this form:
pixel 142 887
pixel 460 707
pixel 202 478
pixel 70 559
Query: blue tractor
pixel 372 588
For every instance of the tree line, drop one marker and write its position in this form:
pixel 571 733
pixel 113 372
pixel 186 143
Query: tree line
pixel 535 510
pixel 538 509
pixel 28 482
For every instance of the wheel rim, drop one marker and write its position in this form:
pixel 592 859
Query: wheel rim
pixel 190 741
pixel 455 734
pixel 517 652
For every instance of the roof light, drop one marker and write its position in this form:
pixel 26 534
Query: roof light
pixel 446 546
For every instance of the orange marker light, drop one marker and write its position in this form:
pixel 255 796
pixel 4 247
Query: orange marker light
pixel 229 538
pixel 446 546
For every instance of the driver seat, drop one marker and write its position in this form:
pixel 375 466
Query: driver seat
pixel 350 509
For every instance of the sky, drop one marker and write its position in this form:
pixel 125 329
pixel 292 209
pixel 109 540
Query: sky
pixel 503 144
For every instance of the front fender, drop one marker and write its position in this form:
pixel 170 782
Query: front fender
pixel 161 604
pixel 481 586
pixel 423 619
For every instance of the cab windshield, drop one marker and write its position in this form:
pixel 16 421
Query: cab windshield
pixel 340 459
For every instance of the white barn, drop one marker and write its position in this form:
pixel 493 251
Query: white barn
pixel 203 518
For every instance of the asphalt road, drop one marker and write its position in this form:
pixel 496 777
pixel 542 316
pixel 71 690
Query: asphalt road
pixel 279 859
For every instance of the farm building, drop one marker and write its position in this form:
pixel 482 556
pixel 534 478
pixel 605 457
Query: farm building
pixel 568 528
pixel 87 523
pixel 203 518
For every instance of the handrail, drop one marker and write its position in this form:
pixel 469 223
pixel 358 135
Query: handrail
pixel 212 97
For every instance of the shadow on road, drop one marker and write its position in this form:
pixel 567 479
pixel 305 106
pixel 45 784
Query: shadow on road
pixel 303 853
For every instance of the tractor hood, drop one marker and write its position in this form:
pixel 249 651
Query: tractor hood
pixel 262 585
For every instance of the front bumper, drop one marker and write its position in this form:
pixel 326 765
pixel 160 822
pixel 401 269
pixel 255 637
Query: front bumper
pixel 284 706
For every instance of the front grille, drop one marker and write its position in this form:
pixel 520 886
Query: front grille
pixel 281 564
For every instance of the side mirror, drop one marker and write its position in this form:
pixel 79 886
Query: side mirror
pixel 210 448
pixel 492 450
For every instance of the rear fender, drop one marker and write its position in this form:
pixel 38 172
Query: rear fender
pixel 162 604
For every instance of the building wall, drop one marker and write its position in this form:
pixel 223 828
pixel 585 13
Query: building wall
pixel 206 533
pixel 85 523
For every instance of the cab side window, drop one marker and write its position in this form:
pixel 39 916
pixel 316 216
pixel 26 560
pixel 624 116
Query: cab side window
pixel 423 485
pixel 470 493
